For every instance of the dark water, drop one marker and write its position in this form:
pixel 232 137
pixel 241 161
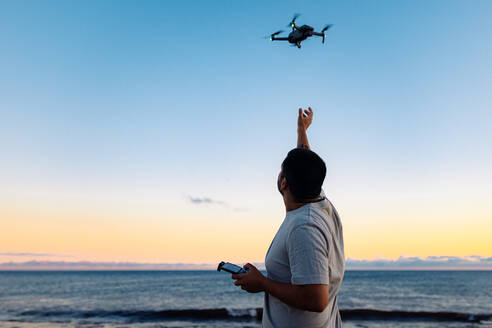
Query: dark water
pixel 209 299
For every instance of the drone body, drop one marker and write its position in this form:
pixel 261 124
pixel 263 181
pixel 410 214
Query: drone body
pixel 299 33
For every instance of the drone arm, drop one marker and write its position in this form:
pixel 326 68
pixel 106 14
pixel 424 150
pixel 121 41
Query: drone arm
pixel 321 35
pixel 280 39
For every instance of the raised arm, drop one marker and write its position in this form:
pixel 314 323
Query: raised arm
pixel 303 122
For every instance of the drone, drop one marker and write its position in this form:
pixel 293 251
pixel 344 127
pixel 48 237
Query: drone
pixel 299 33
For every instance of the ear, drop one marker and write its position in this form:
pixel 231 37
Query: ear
pixel 283 184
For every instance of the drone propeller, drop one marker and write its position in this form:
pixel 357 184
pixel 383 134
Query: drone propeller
pixel 293 21
pixel 326 27
pixel 324 30
pixel 273 35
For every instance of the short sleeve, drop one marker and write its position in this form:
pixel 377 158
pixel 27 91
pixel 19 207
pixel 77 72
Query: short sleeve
pixel 308 255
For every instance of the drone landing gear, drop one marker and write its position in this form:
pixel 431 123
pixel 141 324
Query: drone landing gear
pixel 298 44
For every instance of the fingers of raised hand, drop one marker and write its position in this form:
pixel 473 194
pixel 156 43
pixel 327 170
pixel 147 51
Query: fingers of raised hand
pixel 306 112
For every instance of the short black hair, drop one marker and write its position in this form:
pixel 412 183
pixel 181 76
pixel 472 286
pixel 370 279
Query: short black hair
pixel 305 172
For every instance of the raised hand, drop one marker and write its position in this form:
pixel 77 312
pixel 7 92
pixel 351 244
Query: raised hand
pixel 305 118
pixel 303 122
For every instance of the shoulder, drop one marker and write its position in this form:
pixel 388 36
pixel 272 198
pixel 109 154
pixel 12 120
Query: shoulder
pixel 303 217
pixel 310 223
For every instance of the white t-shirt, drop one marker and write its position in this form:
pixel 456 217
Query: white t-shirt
pixel 307 249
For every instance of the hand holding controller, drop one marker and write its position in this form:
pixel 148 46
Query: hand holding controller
pixel 231 268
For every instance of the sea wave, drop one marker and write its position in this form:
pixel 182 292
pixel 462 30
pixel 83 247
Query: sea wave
pixel 371 314
pixel 151 315
pixel 251 314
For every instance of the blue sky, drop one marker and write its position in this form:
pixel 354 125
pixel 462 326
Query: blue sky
pixel 154 102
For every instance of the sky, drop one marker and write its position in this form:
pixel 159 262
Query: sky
pixel 153 131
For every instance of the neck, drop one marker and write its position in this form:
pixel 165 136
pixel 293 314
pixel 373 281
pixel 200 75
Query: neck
pixel 291 204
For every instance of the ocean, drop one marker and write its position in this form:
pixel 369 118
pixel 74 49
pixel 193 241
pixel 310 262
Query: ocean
pixel 207 299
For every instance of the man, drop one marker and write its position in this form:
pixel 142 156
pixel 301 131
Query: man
pixel 305 262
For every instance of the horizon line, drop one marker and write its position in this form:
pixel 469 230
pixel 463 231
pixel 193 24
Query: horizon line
pixel 455 263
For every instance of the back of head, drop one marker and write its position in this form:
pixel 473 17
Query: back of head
pixel 305 172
